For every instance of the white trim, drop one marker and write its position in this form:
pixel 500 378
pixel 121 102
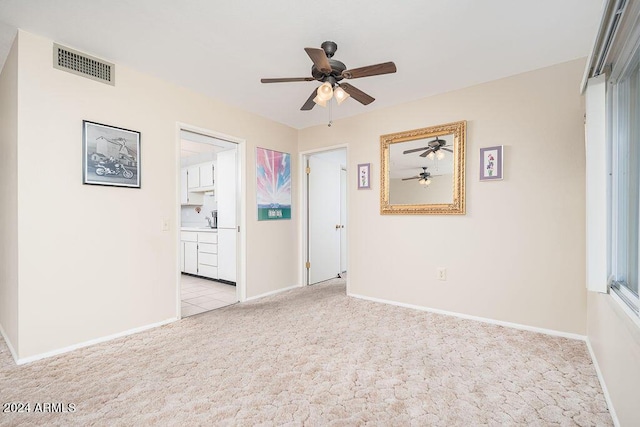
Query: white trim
pixel 605 391
pixel 94 341
pixel 277 291
pixel 11 349
pixel 476 318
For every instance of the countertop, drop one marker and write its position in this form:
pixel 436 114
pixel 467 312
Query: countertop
pixel 200 229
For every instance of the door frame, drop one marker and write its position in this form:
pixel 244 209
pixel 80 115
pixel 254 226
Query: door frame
pixel 241 205
pixel 302 202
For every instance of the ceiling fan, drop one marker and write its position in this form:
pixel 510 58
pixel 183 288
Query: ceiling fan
pixel 423 178
pixel 432 149
pixel 330 71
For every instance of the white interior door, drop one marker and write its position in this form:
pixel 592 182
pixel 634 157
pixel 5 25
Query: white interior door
pixel 324 219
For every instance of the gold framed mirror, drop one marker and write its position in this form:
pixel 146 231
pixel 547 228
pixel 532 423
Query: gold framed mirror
pixel 423 171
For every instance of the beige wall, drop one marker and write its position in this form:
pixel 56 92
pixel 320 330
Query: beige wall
pixel 518 253
pixel 9 197
pixel 93 259
pixel 615 340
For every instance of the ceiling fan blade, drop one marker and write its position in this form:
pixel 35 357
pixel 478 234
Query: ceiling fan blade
pixel 319 58
pixel 370 70
pixel 357 94
pixel 447 149
pixel 309 104
pixel 426 153
pixel 414 150
pixel 413 177
pixel 288 79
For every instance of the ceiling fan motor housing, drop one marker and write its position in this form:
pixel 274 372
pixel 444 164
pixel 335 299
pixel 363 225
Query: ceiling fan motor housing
pixel 337 67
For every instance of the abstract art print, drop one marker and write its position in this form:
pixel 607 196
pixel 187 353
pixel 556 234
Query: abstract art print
pixel 273 171
pixel 491 163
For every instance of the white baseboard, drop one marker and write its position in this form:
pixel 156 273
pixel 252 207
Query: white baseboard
pixel 92 342
pixel 476 318
pixel 11 349
pixel 277 291
pixel 607 397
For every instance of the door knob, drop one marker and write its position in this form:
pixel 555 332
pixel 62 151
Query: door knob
pixel 337 226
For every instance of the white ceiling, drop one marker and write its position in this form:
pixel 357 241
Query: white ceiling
pixel 223 48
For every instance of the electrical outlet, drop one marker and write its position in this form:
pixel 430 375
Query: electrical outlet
pixel 442 273
pixel 165 224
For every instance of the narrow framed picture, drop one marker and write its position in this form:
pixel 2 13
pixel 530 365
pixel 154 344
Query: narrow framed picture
pixel 491 163
pixel 364 171
pixel 110 155
pixel 273 173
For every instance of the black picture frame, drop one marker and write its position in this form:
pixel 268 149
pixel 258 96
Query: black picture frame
pixel 110 155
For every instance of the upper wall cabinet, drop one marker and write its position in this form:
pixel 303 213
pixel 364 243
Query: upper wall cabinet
pixel 187 197
pixel 200 177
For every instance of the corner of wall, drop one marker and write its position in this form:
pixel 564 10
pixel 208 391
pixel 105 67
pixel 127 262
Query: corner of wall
pixel 9 200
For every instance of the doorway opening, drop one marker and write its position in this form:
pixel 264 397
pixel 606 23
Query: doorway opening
pixel 209 207
pixel 325 215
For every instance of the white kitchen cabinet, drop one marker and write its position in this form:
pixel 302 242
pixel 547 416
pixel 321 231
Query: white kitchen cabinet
pixel 193 177
pixel 199 253
pixel 226 196
pixel 208 254
pixel 190 257
pixel 184 189
pixel 201 177
pixel 206 171
pixel 189 252
pixel 227 254
pixel 188 197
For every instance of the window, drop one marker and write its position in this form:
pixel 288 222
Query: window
pixel 625 187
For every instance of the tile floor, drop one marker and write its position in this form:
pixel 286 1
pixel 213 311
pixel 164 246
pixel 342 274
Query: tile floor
pixel 200 295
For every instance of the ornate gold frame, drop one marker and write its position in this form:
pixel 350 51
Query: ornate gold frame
pixel 459 130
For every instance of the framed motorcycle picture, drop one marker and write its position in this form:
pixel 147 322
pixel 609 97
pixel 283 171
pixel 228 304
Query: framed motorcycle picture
pixel 110 155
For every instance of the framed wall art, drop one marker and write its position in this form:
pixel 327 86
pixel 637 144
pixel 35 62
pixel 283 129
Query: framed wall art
pixel 273 172
pixel 364 175
pixel 491 163
pixel 110 155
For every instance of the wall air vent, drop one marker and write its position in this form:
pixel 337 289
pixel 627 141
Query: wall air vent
pixel 83 65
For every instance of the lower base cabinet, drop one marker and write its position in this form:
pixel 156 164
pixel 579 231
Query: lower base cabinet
pixel 199 253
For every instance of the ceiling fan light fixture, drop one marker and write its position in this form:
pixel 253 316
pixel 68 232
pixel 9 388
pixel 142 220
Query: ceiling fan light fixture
pixel 325 91
pixel 340 95
pixel 431 156
pixel 427 181
pixel 440 155
pixel 320 102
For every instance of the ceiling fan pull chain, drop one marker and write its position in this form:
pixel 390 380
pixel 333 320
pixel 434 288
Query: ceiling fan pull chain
pixel 330 111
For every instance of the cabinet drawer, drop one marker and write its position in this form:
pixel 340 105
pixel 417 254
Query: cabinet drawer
pixel 208 248
pixel 208 237
pixel 207 259
pixel 189 236
pixel 208 271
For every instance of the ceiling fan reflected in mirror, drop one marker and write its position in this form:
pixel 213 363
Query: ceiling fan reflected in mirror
pixel 432 149
pixel 330 72
pixel 423 178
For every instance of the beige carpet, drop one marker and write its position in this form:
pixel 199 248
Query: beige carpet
pixel 315 357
